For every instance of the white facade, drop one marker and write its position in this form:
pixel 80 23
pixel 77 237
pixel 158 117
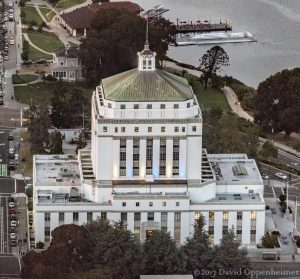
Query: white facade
pixel 146 166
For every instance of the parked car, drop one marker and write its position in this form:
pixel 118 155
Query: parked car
pixel 13 235
pixel 10 137
pixel 13 217
pixel 281 175
pixel 12 230
pixel 13 242
pixel 11 150
pixel 264 176
pixel 11 155
pixel 11 204
pixel 13 223
pixel 12 211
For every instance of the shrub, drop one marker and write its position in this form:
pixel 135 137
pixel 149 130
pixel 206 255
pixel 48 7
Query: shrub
pixel 40 245
pixel 269 241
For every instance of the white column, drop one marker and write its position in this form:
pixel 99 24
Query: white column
pixel 144 217
pixel 116 158
pixel 182 158
pixel 169 158
pixel 82 218
pixel 184 227
pixel 39 227
pixel 232 215
pixel 194 157
pixel 246 223
pixel 156 150
pixel 260 225
pixel 171 223
pixel 157 217
pixel 218 226
pixel 104 157
pixel 143 158
pixel 68 218
pixel 129 157
pixel 130 221
pixel 113 216
pixel 54 220
pixel 192 221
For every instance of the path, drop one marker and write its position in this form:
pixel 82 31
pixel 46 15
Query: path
pixel 26 37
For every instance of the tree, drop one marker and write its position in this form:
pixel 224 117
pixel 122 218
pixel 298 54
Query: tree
pixel 296 146
pixel 269 150
pixel 81 143
pixel 56 142
pixel 277 102
pixel 114 38
pixel 197 249
pixel 25 52
pixel 211 62
pixel 269 241
pixel 29 192
pixel 161 255
pixel 230 256
pixel 58 102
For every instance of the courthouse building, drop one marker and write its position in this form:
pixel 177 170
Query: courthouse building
pixel 146 166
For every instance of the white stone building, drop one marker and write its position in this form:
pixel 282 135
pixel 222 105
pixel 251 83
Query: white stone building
pixel 146 166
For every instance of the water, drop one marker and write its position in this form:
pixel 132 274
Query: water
pixel 275 24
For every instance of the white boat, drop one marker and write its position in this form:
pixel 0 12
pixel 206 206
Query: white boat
pixel 215 38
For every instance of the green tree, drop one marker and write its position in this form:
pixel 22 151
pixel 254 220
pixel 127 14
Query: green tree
pixel 277 101
pixel 29 192
pixel 25 52
pixel 230 256
pixel 81 143
pixel 269 240
pixel 197 249
pixel 161 255
pixel 56 142
pixel 296 146
pixel 59 107
pixel 269 150
pixel 211 63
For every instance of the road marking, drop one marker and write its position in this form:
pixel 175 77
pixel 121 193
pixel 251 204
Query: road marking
pixel 273 192
pixel 282 190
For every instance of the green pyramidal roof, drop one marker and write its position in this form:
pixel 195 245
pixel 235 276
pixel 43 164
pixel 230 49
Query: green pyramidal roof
pixel 146 86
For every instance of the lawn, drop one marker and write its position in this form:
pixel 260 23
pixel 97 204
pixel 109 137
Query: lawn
pixel 19 79
pixel 65 4
pixel 47 13
pixel 30 14
pixel 46 41
pixel 35 54
pixel 37 92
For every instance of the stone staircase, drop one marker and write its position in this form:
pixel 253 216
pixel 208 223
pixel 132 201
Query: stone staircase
pixel 86 164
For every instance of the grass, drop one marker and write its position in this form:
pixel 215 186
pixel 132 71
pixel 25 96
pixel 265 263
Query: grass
pixel 65 4
pixel 47 13
pixel 38 92
pixel 19 79
pixel 31 14
pixel 35 54
pixel 46 41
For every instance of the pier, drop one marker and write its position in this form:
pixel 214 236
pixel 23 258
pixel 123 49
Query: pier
pixel 199 26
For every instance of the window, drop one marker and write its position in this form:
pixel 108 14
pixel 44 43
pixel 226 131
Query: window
pixel 144 64
pixel 150 203
pixel 123 129
pixel 162 106
pixel 197 215
pixel 75 216
pixel 149 129
pixel 253 233
pixel 109 105
pixel 188 105
pixel 194 128
pixel 137 216
pixel 176 129
pixel 225 215
pixel 136 106
pixel 47 216
pixel 136 157
pixel 163 129
pixel 149 64
pixel 175 156
pixel 89 217
pixel 116 129
pixel 103 215
pixel 150 216
pixel 136 129
pixel 239 230
pixel 253 215
pixel 183 129
pixel 177 203
pixel 211 230
pixel 123 217
pixel 47 232
pixel 104 129
pixel 177 216
pixel 61 216
pixel 225 230
pixel 162 157
pixel 149 106
pixel 239 215
pixel 164 203
pixel 123 157
pixel 176 106
pixel 164 221
pixel 211 215
pixel 136 232
pixel 164 216
pixel 149 156
pixel 122 107
pixel 137 204
pixel 123 204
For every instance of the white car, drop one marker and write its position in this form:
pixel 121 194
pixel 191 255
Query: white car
pixel 6 57
pixel 13 223
pixel 11 204
pixel 16 156
pixel 11 150
pixel 11 41
pixel 12 235
pixel 281 175
pixel 264 176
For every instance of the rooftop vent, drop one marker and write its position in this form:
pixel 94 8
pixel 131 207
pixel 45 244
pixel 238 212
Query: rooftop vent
pixel 222 198
pixel 239 170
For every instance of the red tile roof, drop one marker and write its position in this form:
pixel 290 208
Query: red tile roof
pixel 82 17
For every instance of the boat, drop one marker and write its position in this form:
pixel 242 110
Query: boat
pixel 154 13
pixel 215 38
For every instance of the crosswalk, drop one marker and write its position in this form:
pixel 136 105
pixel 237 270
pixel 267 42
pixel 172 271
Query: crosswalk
pixel 3 170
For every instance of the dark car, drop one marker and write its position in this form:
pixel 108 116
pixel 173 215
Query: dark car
pixel 10 137
pixel 12 211
pixel 12 230
pixel 11 156
pixel 13 217
pixel 13 243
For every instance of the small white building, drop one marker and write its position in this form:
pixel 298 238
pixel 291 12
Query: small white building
pixel 146 166
pixel 67 64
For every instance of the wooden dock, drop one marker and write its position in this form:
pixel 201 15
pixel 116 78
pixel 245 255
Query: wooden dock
pixel 184 27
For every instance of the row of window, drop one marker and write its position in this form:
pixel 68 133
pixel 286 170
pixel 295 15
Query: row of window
pixel 149 106
pixel 137 204
pixel 149 129
pixel 61 216
pixel 150 217
pixel 211 215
